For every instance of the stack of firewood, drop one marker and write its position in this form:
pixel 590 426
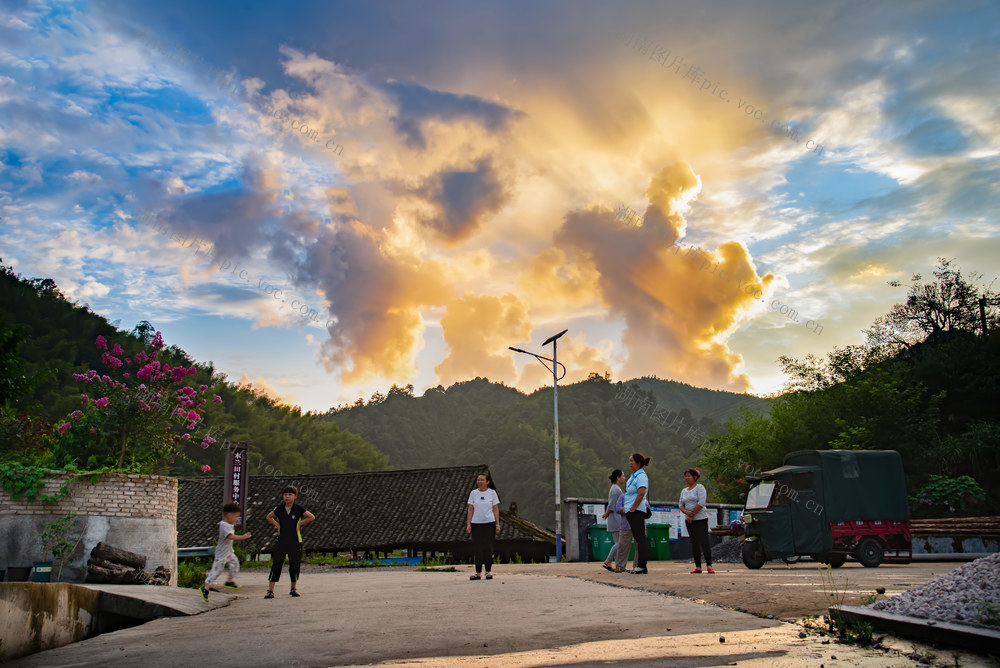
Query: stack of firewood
pixel 112 565
pixel 957 526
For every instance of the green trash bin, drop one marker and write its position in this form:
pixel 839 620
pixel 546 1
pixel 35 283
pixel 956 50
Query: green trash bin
pixel 41 571
pixel 658 537
pixel 601 541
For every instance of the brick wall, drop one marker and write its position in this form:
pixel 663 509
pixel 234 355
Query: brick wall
pixel 113 495
pixel 127 510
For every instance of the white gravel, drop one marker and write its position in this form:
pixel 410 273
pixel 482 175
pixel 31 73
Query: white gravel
pixel 953 596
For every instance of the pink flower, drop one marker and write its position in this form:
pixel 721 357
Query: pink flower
pixel 101 343
pixel 202 388
pixel 151 370
pixel 206 468
pixel 186 436
pixel 92 430
pixel 117 350
pixel 102 402
pixel 126 375
pixel 193 416
pixel 204 445
pixel 64 427
pixel 157 341
pixel 85 398
pixel 207 441
pixel 142 386
pixel 192 370
pixel 76 415
pixel 216 399
pixel 741 481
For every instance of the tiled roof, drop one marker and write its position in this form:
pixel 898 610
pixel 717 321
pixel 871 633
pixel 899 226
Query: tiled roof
pixel 382 510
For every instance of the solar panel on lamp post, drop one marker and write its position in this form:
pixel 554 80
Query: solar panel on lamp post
pixel 555 421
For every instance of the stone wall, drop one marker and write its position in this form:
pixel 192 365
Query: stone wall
pixel 36 617
pixel 131 511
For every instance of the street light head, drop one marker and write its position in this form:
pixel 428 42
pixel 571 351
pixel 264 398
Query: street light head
pixel 553 338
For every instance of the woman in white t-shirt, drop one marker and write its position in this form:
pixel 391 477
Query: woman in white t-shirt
pixel 692 503
pixel 483 522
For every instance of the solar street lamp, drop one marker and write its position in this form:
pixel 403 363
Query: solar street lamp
pixel 555 420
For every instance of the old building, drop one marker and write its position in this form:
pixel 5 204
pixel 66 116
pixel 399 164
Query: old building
pixel 421 510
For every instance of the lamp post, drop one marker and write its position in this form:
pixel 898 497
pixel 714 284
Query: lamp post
pixel 555 421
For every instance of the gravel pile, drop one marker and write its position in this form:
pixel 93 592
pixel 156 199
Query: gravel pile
pixel 727 551
pixel 952 597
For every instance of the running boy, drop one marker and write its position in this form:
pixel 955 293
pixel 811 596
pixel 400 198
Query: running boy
pixel 224 556
pixel 287 518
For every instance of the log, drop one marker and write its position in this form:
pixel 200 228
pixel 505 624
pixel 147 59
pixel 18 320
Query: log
pixel 117 555
pixel 103 575
pixel 107 565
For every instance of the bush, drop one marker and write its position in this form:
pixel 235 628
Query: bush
pixel 945 494
pixel 191 572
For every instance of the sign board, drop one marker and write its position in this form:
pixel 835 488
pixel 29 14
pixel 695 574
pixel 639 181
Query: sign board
pixel 237 476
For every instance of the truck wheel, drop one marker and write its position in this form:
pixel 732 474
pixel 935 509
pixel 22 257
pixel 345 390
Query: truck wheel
pixel 836 560
pixel 870 552
pixel 753 554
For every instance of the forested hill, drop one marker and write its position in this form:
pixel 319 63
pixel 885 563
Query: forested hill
pixel 600 424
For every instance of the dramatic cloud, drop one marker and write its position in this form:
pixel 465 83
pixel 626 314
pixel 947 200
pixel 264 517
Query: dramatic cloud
pixel 677 304
pixel 478 329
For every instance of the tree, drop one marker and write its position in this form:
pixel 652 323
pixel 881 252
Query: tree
pixel 925 384
pixel 135 414
pixel 932 311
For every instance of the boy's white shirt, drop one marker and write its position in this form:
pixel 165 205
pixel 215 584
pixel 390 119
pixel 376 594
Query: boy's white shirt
pixel 224 547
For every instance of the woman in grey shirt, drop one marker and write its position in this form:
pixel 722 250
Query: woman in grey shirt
pixel 617 478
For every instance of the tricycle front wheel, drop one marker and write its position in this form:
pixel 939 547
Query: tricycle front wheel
pixel 753 554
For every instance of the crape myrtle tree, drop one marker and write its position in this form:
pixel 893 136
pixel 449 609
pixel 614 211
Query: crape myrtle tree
pixel 926 383
pixel 136 414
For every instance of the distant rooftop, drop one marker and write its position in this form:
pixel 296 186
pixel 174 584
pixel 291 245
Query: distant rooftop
pixel 417 509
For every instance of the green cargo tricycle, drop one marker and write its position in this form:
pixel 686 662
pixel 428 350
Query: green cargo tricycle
pixel 829 505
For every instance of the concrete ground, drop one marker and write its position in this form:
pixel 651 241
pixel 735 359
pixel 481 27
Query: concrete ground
pixel 786 592
pixel 527 616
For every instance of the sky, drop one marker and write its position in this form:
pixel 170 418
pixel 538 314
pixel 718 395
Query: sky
pixel 327 199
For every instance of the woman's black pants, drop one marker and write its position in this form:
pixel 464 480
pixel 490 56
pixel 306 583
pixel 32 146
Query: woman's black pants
pixel 278 554
pixel 637 520
pixel 482 543
pixel 698 529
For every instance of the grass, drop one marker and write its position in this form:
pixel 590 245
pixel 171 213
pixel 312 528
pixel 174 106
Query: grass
pixel 858 633
pixel 191 572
